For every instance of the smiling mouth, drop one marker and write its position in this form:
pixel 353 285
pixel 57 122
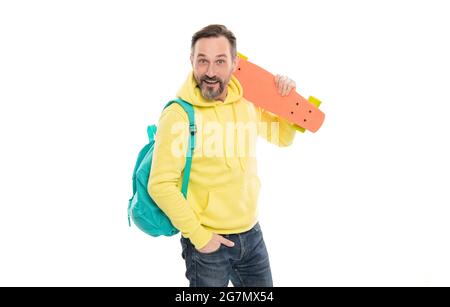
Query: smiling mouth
pixel 211 83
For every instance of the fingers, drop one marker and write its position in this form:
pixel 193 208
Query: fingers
pixel 277 80
pixel 284 85
pixel 281 80
pixel 226 242
pixel 210 247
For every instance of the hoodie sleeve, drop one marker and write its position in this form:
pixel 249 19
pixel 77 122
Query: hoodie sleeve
pixel 164 184
pixel 275 129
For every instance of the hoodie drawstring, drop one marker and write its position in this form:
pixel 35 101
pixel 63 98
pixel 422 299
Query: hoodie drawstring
pixel 227 162
pixel 224 147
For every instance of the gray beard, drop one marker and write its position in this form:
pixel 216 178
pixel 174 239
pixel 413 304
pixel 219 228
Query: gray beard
pixel 212 94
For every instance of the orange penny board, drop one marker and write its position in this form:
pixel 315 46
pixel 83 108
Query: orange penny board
pixel 260 89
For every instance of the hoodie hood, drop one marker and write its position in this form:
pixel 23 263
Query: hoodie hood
pixel 191 92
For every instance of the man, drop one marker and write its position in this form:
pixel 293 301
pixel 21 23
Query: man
pixel 221 237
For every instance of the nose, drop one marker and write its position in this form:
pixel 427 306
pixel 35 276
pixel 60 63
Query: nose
pixel 210 73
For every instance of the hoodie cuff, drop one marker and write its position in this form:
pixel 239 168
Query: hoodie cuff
pixel 200 237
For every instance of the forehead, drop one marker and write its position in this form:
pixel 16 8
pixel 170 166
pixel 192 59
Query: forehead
pixel 212 46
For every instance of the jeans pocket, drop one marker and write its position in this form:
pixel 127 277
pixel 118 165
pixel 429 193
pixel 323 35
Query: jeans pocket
pixel 211 253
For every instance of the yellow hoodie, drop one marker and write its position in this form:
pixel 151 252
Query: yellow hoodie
pixel 224 185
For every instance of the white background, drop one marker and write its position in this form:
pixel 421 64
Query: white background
pixel 363 202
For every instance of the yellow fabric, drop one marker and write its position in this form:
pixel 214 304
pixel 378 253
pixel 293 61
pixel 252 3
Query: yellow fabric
pixel 224 185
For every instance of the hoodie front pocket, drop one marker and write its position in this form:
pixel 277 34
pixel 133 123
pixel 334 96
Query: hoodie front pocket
pixel 233 207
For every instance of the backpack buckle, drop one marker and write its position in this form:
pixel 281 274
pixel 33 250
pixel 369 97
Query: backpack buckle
pixel 193 129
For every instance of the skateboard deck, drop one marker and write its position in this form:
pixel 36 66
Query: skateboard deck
pixel 260 89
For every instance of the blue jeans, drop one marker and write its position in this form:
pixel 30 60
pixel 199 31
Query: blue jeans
pixel 246 264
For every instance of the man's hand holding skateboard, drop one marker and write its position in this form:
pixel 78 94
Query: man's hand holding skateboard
pixel 284 85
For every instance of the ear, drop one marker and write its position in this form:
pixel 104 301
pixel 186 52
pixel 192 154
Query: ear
pixel 191 58
pixel 236 63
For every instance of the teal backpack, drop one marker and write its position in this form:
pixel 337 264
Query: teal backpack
pixel 142 209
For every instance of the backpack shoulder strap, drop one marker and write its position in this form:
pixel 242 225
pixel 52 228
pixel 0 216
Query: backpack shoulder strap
pixel 189 109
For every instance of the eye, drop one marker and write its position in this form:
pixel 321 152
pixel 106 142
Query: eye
pixel 220 61
pixel 202 61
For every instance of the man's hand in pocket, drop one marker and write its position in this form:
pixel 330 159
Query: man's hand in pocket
pixel 214 244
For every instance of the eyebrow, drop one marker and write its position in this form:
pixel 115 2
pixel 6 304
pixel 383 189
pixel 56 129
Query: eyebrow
pixel 218 56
